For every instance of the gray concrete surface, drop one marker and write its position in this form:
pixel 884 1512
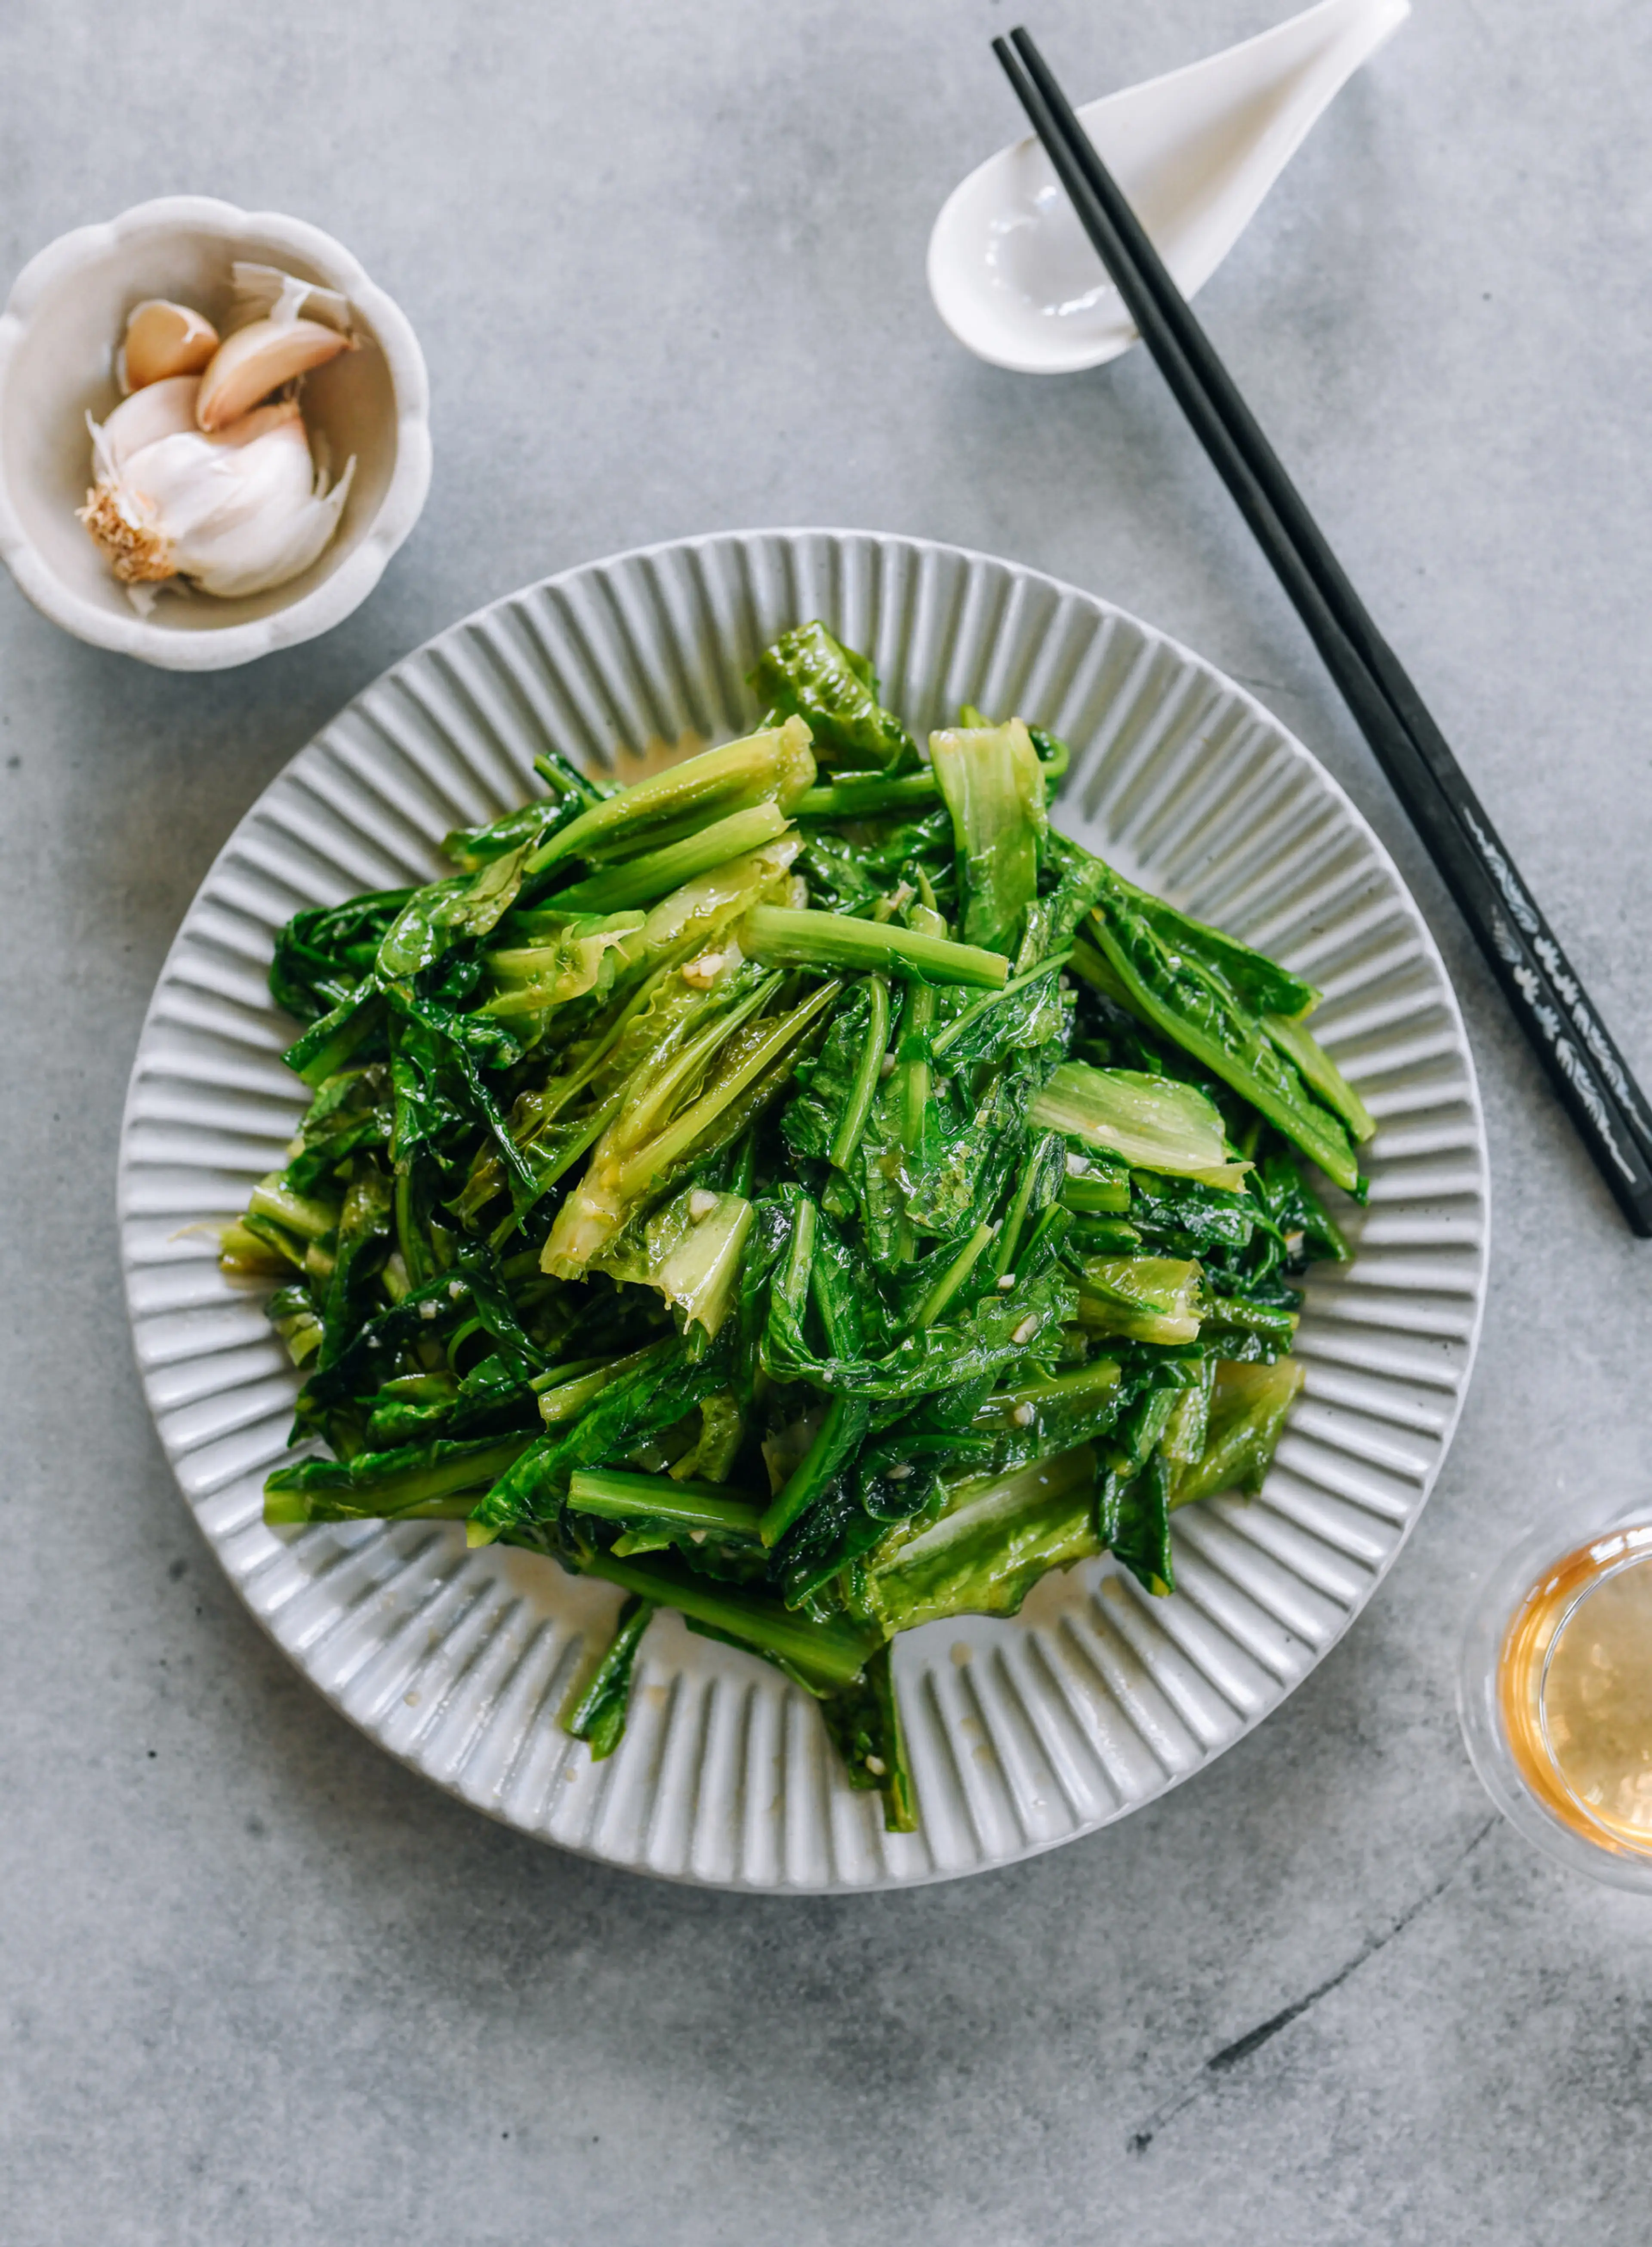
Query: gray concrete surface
pixel 260 1985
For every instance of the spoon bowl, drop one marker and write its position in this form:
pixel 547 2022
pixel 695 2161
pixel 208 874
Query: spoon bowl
pixel 1011 270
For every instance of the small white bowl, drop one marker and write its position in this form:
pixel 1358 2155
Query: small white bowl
pixel 65 314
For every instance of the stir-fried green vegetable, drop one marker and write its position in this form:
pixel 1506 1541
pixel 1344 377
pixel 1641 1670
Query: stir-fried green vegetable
pixel 818 1201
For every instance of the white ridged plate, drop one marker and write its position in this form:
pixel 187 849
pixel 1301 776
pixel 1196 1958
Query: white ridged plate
pixel 1023 1733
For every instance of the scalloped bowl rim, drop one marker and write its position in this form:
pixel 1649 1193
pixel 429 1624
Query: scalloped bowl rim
pixel 348 586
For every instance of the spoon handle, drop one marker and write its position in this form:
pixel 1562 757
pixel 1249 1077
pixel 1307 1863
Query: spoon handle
pixel 1580 1059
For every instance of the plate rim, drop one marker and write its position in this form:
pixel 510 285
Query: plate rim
pixel 882 1882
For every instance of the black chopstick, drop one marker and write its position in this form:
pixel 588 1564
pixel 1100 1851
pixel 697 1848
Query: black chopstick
pixel 1344 602
pixel 1607 1108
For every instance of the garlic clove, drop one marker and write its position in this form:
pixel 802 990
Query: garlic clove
pixel 262 518
pixel 258 360
pixel 120 513
pixel 258 423
pixel 160 409
pixel 162 339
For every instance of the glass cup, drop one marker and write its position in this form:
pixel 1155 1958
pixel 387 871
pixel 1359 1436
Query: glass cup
pixel 1554 1693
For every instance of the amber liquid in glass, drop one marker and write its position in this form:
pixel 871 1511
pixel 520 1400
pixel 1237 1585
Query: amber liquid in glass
pixel 1574 1684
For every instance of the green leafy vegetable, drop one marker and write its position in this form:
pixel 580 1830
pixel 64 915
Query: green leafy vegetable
pixel 1146 1297
pixel 865 1727
pixel 1247 1412
pixel 820 1206
pixel 1152 1122
pixel 990 1545
pixel 1321 1074
pixel 1189 1001
pixel 993 785
pixel 821 940
pixel 598 1715
pixel 808 674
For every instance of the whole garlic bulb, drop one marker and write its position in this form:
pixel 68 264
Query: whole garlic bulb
pixel 236 511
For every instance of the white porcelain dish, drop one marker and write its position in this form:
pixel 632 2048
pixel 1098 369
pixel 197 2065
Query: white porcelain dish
pixel 1024 1733
pixel 1013 273
pixel 67 312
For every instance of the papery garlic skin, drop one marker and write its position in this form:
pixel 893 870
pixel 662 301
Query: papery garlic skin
pixel 160 409
pixel 265 292
pixel 236 512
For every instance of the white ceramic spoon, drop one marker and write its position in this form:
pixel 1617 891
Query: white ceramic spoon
pixel 1013 275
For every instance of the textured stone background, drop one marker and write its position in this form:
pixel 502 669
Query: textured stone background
pixel 262 1985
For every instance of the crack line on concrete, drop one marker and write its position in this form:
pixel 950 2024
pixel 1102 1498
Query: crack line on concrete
pixel 1230 2055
